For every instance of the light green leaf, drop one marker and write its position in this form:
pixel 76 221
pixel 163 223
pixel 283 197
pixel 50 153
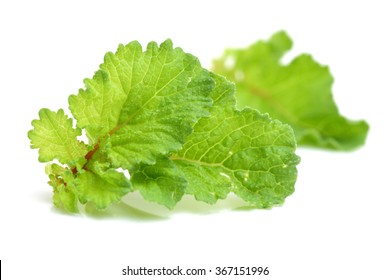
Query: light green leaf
pixel 64 197
pixel 55 138
pixel 143 104
pixel 64 193
pixel 299 93
pixel 162 182
pixel 101 186
pixel 241 151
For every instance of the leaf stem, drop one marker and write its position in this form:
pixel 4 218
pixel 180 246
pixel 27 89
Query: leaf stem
pixel 89 155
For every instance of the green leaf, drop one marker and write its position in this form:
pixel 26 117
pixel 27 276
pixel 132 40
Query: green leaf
pixel 101 186
pixel 241 151
pixel 64 192
pixel 298 93
pixel 230 151
pixel 162 182
pixel 55 138
pixel 143 104
pixel 64 197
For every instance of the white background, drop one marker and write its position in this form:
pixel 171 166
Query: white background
pixel 336 224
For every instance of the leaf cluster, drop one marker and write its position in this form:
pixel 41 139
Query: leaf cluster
pixel 173 126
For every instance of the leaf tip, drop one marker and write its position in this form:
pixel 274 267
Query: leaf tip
pixel 167 44
pixel 281 41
